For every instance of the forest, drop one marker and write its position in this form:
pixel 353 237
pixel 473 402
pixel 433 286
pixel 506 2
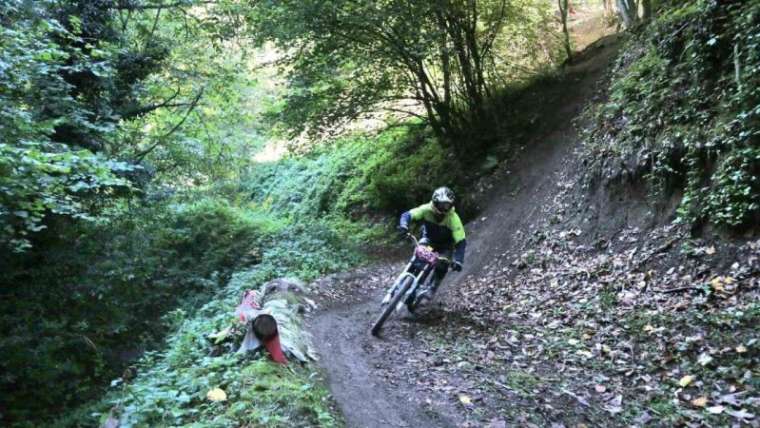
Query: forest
pixel 159 159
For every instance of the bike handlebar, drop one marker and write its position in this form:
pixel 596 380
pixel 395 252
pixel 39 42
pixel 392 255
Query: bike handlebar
pixel 440 257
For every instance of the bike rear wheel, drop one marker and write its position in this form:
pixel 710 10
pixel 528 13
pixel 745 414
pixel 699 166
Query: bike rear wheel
pixel 388 310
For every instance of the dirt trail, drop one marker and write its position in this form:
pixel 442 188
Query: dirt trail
pixel 367 376
pixel 366 399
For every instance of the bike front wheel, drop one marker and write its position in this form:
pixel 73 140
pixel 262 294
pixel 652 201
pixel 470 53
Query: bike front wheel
pixel 388 310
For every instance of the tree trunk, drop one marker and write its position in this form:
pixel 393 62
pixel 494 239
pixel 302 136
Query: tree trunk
pixel 563 10
pixel 264 327
pixel 628 11
pixel 646 5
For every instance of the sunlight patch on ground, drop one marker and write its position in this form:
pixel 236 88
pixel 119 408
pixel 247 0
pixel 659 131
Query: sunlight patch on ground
pixel 271 152
pixel 588 23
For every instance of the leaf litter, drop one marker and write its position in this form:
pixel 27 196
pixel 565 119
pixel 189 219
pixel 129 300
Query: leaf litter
pixel 640 330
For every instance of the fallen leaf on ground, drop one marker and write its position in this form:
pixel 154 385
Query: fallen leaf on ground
pixel 614 406
pixel 740 414
pixel 216 394
pixel 704 359
pixel 699 402
pixel 497 423
pixel 686 380
pixel 643 418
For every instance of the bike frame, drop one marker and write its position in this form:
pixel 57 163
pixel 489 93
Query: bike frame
pixel 418 270
pixel 415 281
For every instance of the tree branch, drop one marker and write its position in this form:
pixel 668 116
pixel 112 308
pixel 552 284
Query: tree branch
pixel 149 39
pixel 139 111
pixel 406 112
pixel 151 6
pixel 139 158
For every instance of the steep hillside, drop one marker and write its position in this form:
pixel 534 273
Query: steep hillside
pixel 161 160
pixel 582 302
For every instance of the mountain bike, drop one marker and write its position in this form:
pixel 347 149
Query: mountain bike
pixel 404 290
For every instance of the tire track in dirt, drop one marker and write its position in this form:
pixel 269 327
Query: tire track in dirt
pixel 342 337
pixel 360 368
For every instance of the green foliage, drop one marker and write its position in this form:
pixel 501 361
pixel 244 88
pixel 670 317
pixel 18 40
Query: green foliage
pixel 259 392
pixel 389 172
pixel 41 171
pixel 36 181
pixel 399 178
pixel 98 99
pixel 172 384
pixel 85 298
pixel 436 61
pixel 686 98
pixel 108 283
pixel 199 121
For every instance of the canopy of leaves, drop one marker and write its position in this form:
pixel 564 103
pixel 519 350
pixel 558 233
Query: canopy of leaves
pixel 98 98
pixel 438 61
pixel 50 128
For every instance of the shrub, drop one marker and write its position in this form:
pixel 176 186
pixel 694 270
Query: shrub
pixel 686 98
pixel 78 311
pixel 388 173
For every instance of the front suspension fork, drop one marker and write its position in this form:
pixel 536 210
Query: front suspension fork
pixel 392 290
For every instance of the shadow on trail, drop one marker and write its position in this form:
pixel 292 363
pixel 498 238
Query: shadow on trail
pixel 438 315
pixel 377 382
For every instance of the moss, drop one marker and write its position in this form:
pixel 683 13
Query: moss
pixel 273 396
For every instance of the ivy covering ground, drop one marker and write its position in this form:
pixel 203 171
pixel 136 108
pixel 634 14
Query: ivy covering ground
pixel 172 385
pixel 684 107
pixel 210 246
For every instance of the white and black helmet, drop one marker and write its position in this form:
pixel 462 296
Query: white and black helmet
pixel 443 199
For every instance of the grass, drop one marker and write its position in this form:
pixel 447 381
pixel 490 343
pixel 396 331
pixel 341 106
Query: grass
pixel 522 382
pixel 274 396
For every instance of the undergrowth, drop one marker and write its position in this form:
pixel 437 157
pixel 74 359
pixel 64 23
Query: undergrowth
pixel 171 387
pixel 94 318
pixel 356 175
pixel 684 103
pixel 93 314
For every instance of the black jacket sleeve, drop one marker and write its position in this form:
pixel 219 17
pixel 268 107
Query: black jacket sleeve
pixel 459 251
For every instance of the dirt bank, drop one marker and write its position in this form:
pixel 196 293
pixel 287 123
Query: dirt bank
pixel 381 382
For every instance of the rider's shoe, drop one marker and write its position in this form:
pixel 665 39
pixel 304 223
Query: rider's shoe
pixel 426 296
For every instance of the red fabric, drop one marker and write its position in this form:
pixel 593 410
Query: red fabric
pixel 275 349
pixel 248 307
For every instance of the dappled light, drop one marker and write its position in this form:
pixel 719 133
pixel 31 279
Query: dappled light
pixel 450 213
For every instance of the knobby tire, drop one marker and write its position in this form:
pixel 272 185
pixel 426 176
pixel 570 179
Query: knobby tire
pixel 391 306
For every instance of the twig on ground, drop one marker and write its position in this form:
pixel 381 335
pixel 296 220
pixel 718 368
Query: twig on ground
pixel 676 290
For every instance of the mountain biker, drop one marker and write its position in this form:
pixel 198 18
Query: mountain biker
pixel 442 227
